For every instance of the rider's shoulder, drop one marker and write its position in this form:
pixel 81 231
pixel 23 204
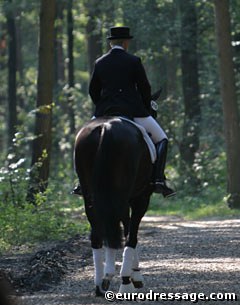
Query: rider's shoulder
pixel 134 58
pixel 99 59
pixel 126 55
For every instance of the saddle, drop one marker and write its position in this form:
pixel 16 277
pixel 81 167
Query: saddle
pixel 146 137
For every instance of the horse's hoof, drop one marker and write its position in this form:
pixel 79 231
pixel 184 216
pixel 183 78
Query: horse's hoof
pixel 127 288
pixel 106 281
pixel 105 284
pixel 99 292
pixel 137 284
pixel 137 279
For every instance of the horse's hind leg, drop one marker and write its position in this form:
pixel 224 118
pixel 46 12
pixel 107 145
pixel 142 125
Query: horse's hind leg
pixel 109 270
pixel 97 246
pixel 130 272
pixel 98 260
pixel 130 260
pixel 102 275
pixel 132 268
pixel 136 276
pixel 126 270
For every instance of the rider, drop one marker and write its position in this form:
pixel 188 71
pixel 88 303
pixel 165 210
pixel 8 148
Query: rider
pixel 119 86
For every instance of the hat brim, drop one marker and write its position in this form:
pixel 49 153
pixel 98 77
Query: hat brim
pixel 119 37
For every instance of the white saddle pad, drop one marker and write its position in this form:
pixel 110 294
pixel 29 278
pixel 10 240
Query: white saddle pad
pixel 148 140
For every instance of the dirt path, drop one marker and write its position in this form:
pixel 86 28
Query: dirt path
pixel 176 257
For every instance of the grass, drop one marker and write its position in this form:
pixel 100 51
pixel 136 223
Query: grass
pixel 54 217
pixel 59 215
pixel 210 203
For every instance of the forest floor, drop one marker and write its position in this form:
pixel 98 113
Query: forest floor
pixel 176 256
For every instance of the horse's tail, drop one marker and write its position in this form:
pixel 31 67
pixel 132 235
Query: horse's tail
pixel 110 192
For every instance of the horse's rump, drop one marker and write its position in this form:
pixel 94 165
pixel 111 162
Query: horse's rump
pixel 113 165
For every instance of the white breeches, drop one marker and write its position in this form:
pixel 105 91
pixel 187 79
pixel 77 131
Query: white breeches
pixel 152 127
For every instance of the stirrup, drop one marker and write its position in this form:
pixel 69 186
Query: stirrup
pixel 77 190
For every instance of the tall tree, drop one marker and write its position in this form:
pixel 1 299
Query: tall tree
pixel 70 64
pixel 42 144
pixel 59 55
pixel 190 85
pixel 229 100
pixel 20 61
pixel 94 31
pixel 3 64
pixel 3 47
pixel 12 70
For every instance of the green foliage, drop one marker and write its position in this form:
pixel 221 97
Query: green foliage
pixel 51 217
pixel 208 200
pixel 48 219
pixel 210 203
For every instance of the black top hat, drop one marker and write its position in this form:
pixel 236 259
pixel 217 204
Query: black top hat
pixel 119 32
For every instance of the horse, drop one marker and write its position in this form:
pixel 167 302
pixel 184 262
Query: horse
pixel 114 167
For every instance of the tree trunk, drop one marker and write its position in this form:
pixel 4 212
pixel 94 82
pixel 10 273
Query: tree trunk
pixel 172 88
pixel 12 69
pixel 190 85
pixel 229 100
pixel 3 66
pixel 71 80
pixel 58 40
pixel 94 32
pixel 20 62
pixel 42 143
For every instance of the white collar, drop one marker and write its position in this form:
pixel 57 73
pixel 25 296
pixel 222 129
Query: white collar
pixel 117 47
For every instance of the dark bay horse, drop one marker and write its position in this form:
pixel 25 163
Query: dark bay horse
pixel 114 168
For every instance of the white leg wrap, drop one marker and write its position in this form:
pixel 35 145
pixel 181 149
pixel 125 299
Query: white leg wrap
pixel 110 256
pixel 98 258
pixel 128 255
pixel 137 276
pixel 129 288
pixel 135 264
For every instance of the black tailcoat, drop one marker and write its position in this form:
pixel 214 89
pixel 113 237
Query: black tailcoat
pixel 119 85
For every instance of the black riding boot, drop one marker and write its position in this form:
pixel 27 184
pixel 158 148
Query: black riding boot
pixel 160 180
pixel 77 190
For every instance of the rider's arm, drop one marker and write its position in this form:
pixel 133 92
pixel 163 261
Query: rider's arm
pixel 95 86
pixel 143 84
